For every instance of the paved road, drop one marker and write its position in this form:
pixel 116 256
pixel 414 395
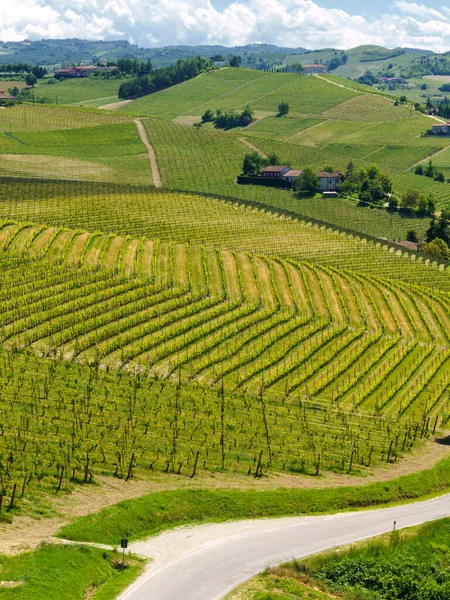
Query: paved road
pixel 206 562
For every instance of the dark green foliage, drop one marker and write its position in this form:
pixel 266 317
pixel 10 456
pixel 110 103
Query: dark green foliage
pixel 235 61
pixel 307 183
pixel 208 116
pixel 231 119
pixel 440 228
pixel 161 79
pixel 412 236
pixel 406 567
pixel 283 108
pixel 253 164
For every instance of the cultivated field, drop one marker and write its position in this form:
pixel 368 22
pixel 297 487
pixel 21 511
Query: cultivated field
pixel 207 325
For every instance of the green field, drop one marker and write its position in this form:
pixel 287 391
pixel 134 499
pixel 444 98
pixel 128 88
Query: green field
pixel 207 328
pixel 78 91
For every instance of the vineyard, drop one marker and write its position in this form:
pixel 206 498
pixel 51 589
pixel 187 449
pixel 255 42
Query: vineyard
pixel 208 325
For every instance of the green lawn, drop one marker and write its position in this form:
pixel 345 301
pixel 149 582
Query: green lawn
pixel 53 572
pixel 72 91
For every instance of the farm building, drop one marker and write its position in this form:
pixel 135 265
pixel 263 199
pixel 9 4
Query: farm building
pixel 313 69
pixel 440 129
pixel 292 175
pixel 5 97
pixel 329 182
pixel 82 71
pixel 275 171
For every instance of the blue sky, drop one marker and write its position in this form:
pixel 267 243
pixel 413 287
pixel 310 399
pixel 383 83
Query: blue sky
pixel 307 23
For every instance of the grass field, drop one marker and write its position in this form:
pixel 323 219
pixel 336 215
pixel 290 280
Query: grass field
pixel 77 91
pixel 55 571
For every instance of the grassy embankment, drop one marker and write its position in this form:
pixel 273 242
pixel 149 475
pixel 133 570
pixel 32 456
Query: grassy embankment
pixel 407 565
pixel 53 572
pixel 153 513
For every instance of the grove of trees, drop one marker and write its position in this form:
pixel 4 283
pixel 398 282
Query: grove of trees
pixel 160 79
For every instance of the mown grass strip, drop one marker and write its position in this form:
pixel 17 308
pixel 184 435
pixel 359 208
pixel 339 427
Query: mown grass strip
pixel 152 513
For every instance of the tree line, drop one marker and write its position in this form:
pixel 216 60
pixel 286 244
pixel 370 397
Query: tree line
pixel 160 79
pixel 21 68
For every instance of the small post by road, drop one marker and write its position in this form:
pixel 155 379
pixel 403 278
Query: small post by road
pixel 395 525
pixel 124 546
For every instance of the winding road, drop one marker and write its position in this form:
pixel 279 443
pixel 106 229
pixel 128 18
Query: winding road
pixel 208 561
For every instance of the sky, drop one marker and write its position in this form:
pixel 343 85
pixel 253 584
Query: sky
pixel 296 23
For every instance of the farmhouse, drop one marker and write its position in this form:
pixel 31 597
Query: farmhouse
pixel 329 182
pixel 275 171
pixel 292 175
pixel 313 69
pixel 440 129
pixel 82 71
pixel 4 97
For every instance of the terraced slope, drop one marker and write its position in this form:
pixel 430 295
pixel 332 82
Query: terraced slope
pixel 250 322
pixel 213 223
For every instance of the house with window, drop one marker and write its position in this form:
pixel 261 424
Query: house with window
pixel 329 182
pixel 440 129
pixel 275 171
pixel 292 175
pixel 314 69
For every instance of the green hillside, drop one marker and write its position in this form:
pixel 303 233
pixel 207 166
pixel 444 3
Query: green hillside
pixel 194 310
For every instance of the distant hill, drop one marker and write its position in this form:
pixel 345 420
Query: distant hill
pixel 353 63
pixel 51 52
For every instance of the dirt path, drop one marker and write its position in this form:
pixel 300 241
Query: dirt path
pixel 27 532
pixel 253 147
pixel 151 154
pixel 424 160
pixel 115 105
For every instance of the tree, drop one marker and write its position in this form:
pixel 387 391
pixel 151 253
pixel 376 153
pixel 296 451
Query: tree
pixel 412 236
pixel 419 170
pixel 350 172
pixel 329 169
pixel 283 108
pixel 429 171
pixel 208 116
pixel 403 99
pixel 235 61
pixel 30 79
pixel 298 67
pixel 393 203
pixel 437 248
pixel 252 164
pixel 273 159
pixel 439 228
pixel 307 183
pixel 410 199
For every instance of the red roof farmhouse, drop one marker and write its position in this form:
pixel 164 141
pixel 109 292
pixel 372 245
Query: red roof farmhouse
pixel 6 96
pixel 314 68
pixel 275 171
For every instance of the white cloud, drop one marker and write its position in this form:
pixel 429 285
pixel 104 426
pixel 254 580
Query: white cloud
pixel 167 22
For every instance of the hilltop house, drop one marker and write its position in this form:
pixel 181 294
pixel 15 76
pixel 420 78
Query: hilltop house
pixel 314 69
pixel 82 71
pixel 440 129
pixel 275 171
